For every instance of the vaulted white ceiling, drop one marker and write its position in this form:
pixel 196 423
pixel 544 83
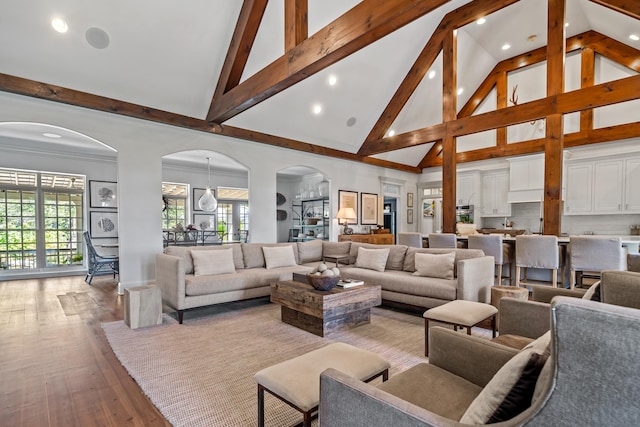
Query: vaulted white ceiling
pixel 168 56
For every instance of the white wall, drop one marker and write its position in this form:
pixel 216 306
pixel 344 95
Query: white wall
pixel 142 144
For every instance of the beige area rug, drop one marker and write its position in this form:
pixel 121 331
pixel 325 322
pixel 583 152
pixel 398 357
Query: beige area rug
pixel 201 373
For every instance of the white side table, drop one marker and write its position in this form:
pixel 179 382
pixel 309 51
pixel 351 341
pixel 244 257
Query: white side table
pixel 142 306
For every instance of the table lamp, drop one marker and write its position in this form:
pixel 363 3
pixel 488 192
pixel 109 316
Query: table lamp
pixel 346 214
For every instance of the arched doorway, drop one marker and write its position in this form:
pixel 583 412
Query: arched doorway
pixel 185 177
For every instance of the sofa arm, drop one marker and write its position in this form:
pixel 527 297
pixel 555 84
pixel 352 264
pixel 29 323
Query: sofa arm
pixel 470 357
pixel 475 278
pixel 348 402
pixel 170 278
pixel 524 318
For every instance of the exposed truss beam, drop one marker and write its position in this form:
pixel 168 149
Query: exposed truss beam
pixel 628 7
pixel 365 23
pixel 455 19
pixel 241 43
pixel 296 25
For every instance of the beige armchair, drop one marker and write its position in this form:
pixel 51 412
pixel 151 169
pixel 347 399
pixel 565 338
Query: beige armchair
pixel 602 389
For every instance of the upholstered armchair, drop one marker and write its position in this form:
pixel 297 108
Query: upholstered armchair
pixel 589 378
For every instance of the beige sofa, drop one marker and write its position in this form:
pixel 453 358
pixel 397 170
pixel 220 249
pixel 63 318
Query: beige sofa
pixel 249 273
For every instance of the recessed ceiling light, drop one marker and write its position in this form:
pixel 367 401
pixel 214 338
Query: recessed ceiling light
pixel 317 109
pixel 51 135
pixel 60 25
pixel 460 90
pixel 634 37
pixel 332 80
pixel 506 46
pixel 532 38
pixel 432 74
pixel 391 132
pixel 481 21
pixel 566 24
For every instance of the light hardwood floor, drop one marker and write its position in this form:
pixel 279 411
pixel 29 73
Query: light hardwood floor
pixel 56 367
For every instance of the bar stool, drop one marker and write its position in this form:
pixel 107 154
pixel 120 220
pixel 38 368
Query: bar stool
pixel 443 240
pixel 410 239
pixel 595 254
pixel 492 245
pixel 539 252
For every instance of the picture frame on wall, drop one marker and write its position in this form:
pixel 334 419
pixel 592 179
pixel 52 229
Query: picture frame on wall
pixel 103 194
pixel 197 193
pixel 103 225
pixel 199 220
pixel 348 199
pixel 368 209
pixel 409 200
pixel 409 216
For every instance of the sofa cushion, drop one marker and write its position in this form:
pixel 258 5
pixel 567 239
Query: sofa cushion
pixel 434 389
pixel 336 248
pixel 461 254
pixel 213 262
pixel 435 265
pixel 278 256
pixel 511 389
pixel 254 257
pixel 184 252
pixel 372 259
pixel 395 260
pixel 310 251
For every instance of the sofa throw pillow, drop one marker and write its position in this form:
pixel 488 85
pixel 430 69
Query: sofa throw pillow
pixel 278 256
pixel 435 265
pixel 372 259
pixel 511 389
pixel 310 251
pixel 213 262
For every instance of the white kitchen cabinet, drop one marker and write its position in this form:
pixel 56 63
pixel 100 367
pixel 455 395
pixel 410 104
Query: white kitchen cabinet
pixel 632 186
pixel 579 197
pixel 607 186
pixel 465 188
pixel 495 188
pixel 526 173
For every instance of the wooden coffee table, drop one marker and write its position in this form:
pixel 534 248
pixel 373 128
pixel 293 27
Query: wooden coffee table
pixel 324 312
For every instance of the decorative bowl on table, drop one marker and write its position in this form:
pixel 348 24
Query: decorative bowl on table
pixel 311 221
pixel 323 283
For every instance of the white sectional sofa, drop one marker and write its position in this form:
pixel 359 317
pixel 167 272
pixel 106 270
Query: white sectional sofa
pixel 193 277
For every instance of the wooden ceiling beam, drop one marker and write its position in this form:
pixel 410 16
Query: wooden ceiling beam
pixel 454 19
pixel 242 40
pixel 405 140
pixel 365 23
pixel 433 156
pixel 296 23
pixel 618 52
pixel 628 7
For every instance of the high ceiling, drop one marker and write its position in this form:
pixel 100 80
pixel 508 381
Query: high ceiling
pixel 168 56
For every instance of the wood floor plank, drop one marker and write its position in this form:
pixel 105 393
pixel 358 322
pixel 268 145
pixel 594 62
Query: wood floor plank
pixel 56 367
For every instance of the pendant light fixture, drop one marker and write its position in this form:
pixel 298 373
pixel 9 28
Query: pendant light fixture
pixel 208 202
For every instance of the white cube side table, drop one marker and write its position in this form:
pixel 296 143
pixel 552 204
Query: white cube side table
pixel 142 306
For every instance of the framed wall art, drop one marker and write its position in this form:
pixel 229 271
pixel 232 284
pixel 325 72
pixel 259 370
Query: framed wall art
pixel 197 193
pixel 409 200
pixel 409 216
pixel 204 221
pixel 368 209
pixel 103 194
pixel 348 199
pixel 103 225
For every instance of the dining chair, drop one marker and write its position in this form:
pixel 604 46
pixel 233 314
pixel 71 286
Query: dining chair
pixel 410 239
pixel 493 245
pixel 539 252
pixel 99 264
pixel 593 254
pixel 443 240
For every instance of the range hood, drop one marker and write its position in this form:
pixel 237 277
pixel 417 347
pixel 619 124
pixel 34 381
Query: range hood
pixel 525 196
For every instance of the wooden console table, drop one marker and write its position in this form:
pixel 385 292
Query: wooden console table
pixel 376 239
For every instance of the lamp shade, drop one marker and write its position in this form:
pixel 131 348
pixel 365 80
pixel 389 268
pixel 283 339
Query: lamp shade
pixel 346 214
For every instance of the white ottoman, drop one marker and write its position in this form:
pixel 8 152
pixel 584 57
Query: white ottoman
pixel 142 306
pixel 297 381
pixel 459 313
